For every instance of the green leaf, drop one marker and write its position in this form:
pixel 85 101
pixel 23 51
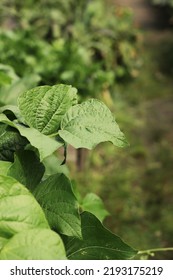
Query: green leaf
pixel 89 124
pixel 4 167
pixel 43 107
pixel 10 141
pixel 53 166
pixel 45 145
pixel 12 110
pixel 3 241
pixel 18 209
pixel 59 204
pixel 34 244
pixel 27 169
pixel 93 203
pixel 98 243
pixel 24 230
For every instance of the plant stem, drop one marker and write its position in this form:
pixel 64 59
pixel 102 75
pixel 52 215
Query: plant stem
pixel 151 251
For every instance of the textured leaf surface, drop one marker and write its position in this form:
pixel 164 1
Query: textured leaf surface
pixel 93 203
pixel 27 169
pixel 34 244
pixel 45 145
pixel 10 141
pixel 89 124
pixel 18 209
pixel 98 243
pixel 59 204
pixel 43 107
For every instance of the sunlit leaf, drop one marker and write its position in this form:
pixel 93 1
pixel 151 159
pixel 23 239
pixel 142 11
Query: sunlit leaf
pixel 89 124
pixel 18 209
pixel 43 107
pixel 34 244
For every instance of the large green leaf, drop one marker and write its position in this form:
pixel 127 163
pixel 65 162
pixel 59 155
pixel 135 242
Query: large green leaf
pixel 89 124
pixel 24 230
pixel 59 204
pixel 43 107
pixel 27 169
pixel 98 243
pixel 18 209
pixel 45 145
pixel 34 244
pixel 10 141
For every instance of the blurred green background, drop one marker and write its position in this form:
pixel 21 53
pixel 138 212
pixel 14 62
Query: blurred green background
pixel 105 50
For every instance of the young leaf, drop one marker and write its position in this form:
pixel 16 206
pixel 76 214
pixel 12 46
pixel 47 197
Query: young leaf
pixel 18 209
pixel 34 244
pixel 27 169
pixel 59 204
pixel 98 243
pixel 93 203
pixel 43 107
pixel 45 145
pixel 90 123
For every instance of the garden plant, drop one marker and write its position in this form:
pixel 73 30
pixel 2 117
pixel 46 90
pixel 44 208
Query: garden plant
pixel 40 216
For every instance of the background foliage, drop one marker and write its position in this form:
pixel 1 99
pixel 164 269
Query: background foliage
pixel 92 47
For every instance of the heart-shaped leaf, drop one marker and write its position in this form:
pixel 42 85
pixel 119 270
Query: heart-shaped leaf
pixel 90 123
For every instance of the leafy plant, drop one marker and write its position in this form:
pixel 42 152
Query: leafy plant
pixel 40 216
